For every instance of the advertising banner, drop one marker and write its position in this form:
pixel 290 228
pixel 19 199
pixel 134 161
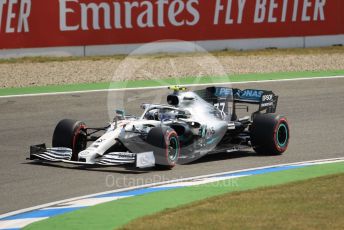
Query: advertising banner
pixel 54 23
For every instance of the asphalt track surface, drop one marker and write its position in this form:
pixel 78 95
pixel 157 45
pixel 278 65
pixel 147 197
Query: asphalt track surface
pixel 314 108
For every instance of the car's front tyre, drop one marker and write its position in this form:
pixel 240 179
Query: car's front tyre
pixel 70 134
pixel 165 144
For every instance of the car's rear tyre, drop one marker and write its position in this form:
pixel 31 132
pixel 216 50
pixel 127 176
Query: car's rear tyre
pixel 270 134
pixel 166 147
pixel 70 134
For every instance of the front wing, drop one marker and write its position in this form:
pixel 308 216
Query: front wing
pixel 60 154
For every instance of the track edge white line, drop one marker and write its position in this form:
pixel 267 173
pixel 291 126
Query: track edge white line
pixel 162 87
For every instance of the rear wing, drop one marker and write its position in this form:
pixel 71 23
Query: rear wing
pixel 266 100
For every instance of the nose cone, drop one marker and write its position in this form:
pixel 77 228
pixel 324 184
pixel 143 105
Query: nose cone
pixel 87 156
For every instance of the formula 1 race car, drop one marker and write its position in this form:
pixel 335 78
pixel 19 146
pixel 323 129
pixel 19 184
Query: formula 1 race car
pixel 191 125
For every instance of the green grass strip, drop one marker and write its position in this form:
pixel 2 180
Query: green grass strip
pixel 315 204
pixel 117 213
pixel 166 82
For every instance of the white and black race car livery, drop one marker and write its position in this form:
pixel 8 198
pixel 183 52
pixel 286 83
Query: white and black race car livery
pixel 191 125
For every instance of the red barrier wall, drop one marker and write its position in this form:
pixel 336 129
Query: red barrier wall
pixel 52 23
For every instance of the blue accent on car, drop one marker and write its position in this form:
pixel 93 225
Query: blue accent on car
pixel 223 92
pixel 282 143
pixel 211 141
pixel 250 94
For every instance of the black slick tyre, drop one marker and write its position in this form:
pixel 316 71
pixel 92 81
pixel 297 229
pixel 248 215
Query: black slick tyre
pixel 70 134
pixel 270 134
pixel 166 147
